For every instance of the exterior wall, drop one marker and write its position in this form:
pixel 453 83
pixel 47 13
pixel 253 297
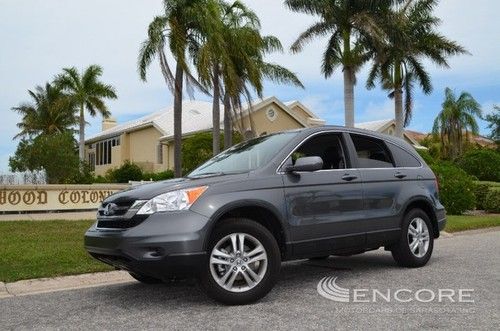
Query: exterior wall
pixel 266 124
pixel 26 198
pixel 139 147
pixel 300 113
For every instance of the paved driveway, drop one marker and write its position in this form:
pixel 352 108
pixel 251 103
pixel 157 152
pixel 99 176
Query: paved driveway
pixel 469 261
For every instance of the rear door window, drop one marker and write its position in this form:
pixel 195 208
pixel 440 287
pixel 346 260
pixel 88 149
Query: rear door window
pixel 403 158
pixel 371 152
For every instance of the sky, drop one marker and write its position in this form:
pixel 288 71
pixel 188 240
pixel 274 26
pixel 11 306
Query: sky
pixel 40 37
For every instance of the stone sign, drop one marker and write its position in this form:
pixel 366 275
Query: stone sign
pixel 15 198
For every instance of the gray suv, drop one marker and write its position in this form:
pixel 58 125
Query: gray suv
pixel 293 195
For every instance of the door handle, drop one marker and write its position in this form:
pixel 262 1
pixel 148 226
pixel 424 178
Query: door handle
pixel 349 177
pixel 399 175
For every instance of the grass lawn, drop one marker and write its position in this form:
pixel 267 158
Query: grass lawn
pixel 35 249
pixel 462 223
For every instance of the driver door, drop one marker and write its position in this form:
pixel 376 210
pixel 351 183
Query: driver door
pixel 323 207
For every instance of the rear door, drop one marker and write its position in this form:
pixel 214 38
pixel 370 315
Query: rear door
pixel 382 185
pixel 325 206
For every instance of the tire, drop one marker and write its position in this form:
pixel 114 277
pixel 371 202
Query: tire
pixel 145 279
pixel 419 254
pixel 252 280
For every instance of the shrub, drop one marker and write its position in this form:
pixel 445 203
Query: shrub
pixel 127 171
pixel 482 163
pixel 456 188
pixel 481 190
pixel 492 203
pixel 156 176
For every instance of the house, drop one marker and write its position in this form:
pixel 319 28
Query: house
pixel 388 126
pixel 148 141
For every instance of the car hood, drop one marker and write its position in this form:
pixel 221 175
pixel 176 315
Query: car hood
pixel 150 190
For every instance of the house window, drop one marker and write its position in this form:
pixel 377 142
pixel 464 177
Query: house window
pixel 91 161
pixel 271 114
pixel 159 153
pixel 103 150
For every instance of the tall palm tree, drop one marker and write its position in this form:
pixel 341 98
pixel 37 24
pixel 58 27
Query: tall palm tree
pixel 458 117
pixel 88 93
pixel 398 62
pixel 230 61
pixel 176 31
pixel 51 111
pixel 352 28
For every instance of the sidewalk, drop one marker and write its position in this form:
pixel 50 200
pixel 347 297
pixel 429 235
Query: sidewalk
pixel 72 216
pixel 44 285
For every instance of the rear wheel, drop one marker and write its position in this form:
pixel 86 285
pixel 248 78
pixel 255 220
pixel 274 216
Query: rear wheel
pixel 415 246
pixel 243 262
pixel 145 279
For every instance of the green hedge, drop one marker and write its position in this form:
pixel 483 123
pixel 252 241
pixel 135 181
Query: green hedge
pixel 492 203
pixel 456 188
pixel 481 191
pixel 481 163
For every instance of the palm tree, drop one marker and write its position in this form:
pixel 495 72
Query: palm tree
pixel 398 62
pixel 230 61
pixel 457 118
pixel 352 28
pixel 50 112
pixel 177 31
pixel 88 93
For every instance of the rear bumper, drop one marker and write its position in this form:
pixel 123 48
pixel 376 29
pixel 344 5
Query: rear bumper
pixel 441 220
pixel 162 246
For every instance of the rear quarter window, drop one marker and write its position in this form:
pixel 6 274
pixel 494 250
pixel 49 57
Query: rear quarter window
pixel 403 158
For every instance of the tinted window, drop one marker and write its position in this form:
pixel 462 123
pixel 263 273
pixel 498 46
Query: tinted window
pixel 326 146
pixel 372 153
pixel 403 158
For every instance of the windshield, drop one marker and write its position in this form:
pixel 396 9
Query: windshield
pixel 246 156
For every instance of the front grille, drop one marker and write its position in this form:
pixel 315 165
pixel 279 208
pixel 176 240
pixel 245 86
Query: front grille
pixel 120 222
pixel 119 208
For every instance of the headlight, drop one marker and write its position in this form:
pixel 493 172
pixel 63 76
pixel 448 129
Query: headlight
pixel 170 201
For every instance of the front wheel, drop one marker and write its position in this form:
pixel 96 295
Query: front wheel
pixel 415 246
pixel 243 262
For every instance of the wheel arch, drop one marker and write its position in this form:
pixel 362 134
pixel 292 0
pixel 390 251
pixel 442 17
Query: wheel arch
pixel 426 205
pixel 256 210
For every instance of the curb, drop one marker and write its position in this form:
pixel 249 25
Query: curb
pixel 45 285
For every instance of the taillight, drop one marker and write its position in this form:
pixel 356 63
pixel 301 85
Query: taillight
pixel 437 184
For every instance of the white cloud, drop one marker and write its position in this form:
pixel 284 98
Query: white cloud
pixel 377 111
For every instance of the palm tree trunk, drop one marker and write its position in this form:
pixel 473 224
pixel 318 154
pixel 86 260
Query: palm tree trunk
pixel 216 114
pixel 81 146
pixel 398 112
pixel 228 130
pixel 349 97
pixel 179 75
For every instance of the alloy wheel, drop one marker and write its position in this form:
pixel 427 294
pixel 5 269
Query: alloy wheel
pixel 418 237
pixel 238 262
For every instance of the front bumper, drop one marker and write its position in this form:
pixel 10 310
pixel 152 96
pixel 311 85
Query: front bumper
pixel 163 245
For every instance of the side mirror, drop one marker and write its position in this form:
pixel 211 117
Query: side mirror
pixel 308 163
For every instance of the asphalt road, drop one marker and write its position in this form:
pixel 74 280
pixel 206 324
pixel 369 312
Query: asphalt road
pixel 469 261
